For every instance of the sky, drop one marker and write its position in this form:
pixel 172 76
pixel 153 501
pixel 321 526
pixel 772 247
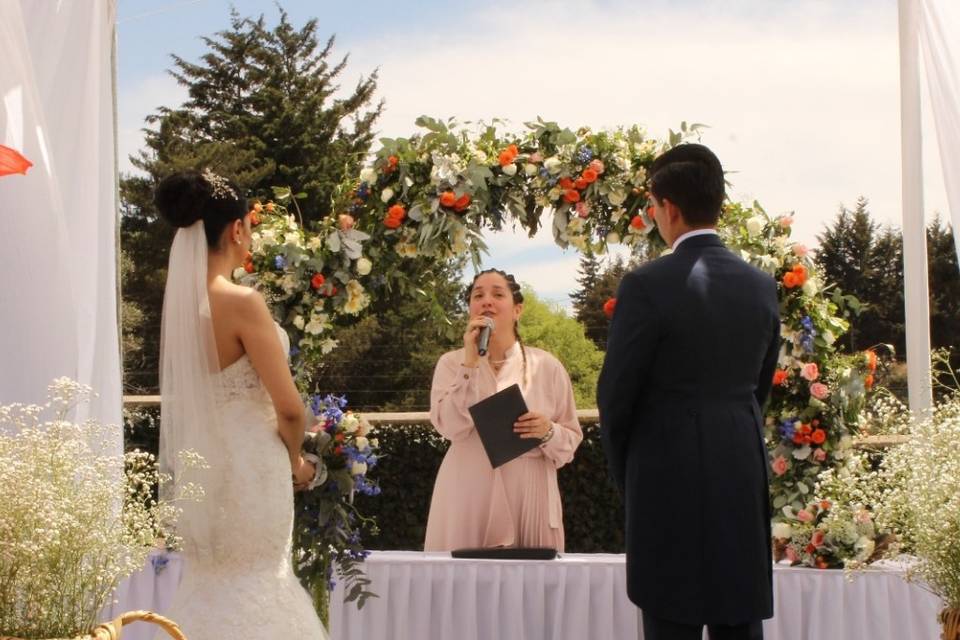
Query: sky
pixel 801 97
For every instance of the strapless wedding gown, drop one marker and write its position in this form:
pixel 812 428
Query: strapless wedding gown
pixel 245 586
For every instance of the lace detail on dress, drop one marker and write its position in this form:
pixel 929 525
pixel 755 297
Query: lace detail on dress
pixel 239 380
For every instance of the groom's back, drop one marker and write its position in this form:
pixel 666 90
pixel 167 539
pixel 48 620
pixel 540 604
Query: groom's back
pixel 718 316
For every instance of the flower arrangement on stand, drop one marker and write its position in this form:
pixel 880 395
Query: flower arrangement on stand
pixel 74 521
pixel 328 529
pixel 912 491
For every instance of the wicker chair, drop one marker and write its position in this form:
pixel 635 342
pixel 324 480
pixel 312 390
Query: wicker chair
pixel 113 630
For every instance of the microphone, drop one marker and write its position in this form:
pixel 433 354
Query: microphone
pixel 484 341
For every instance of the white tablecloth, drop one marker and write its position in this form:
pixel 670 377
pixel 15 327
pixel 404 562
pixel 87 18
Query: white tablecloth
pixel 425 596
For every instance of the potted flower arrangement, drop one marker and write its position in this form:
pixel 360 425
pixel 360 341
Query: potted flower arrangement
pixel 74 520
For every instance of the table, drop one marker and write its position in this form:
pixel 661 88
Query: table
pixel 431 595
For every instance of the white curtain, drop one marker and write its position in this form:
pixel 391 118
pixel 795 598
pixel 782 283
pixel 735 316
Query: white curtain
pixel 58 291
pixel 939 36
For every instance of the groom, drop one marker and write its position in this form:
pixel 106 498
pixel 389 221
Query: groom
pixel 690 360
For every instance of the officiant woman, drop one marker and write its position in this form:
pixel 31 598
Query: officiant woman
pixel 518 503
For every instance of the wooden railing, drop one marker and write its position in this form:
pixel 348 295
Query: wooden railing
pixel 584 415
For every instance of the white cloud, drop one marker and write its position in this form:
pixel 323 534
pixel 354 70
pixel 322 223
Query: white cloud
pixel 134 103
pixel 803 102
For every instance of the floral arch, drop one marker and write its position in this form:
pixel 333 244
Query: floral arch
pixel 433 195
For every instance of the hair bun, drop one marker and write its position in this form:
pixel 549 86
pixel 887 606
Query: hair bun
pixel 181 198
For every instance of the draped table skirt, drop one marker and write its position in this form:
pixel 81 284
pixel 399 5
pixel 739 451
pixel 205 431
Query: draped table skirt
pixel 426 596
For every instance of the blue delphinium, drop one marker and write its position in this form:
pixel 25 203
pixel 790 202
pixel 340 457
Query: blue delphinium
pixel 280 262
pixel 584 155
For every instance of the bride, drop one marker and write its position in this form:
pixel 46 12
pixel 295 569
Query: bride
pixel 227 394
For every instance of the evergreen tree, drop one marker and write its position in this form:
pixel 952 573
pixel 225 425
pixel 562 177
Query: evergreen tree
pixel 597 285
pixel 262 110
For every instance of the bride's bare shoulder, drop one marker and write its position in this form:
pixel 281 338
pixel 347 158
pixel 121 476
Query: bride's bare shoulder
pixel 238 299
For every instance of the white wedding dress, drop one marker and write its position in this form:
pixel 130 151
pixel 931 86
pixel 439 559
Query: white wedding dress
pixel 240 583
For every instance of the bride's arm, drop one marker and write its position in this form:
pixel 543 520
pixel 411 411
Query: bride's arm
pixel 259 337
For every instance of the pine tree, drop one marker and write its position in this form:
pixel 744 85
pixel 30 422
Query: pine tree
pixel 596 287
pixel 261 109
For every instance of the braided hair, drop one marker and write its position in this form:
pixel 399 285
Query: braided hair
pixel 517 295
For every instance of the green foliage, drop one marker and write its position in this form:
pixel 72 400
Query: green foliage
pixel 597 285
pixel 550 328
pixel 865 261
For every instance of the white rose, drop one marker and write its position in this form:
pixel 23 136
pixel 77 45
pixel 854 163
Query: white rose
pixel 782 530
pixel 865 547
pixel 368 175
pixel 613 238
pixel 298 322
pixel 314 243
pixel 350 422
pixel 314 327
pixel 810 287
pixel 364 266
pixel 328 345
pixel 358 468
pixel 553 165
pixel 616 198
pixel 510 169
pixel 374 443
pixel 386 195
pixel 530 169
pixel 362 443
pixel 755 225
pixel 238 273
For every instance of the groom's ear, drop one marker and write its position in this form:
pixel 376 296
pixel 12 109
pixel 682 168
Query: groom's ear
pixel 672 210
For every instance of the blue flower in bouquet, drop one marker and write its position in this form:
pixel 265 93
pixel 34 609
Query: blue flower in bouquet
pixel 280 262
pixel 787 428
pixel 585 155
pixel 807 335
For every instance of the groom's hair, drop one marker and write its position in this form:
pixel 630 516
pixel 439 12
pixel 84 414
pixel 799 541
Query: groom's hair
pixel 691 177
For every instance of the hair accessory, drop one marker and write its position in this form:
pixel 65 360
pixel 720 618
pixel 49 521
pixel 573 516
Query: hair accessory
pixel 221 187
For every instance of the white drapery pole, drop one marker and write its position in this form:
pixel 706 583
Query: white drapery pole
pixel 916 290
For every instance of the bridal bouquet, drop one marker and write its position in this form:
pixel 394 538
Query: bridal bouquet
pixel 328 527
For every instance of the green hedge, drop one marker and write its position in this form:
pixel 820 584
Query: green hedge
pixel 410 457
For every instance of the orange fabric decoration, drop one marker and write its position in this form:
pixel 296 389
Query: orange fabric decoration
pixel 12 162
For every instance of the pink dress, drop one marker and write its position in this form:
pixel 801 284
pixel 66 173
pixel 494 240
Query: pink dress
pixel 475 505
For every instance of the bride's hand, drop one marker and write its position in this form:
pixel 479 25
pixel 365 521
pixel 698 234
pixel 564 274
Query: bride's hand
pixel 303 474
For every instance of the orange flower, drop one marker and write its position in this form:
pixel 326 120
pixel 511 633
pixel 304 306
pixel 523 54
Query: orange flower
pixel 589 175
pixel 317 280
pixel 270 207
pixel 565 183
pixel 580 184
pixel 822 563
pixel 868 381
pixel 12 162
pixel 338 450
pixel 392 162
pixel 871 360
pixel 397 211
pixel 651 211
pixel 609 306
pixel 818 436
pixel 257 207
pixel 637 222
pixel 506 158
pixel 825 505
pixel 448 198
pixel 248 266
pixel 780 376
pixel 800 272
pixel 790 280
pixel 339 437
pixel 391 223
pixel 462 202
pixel 513 149
pixel 571 195
pixel 254 218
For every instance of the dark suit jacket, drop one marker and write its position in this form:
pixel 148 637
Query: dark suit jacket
pixel 690 360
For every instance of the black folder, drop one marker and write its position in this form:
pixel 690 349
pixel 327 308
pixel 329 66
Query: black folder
pixel 506 553
pixel 494 418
